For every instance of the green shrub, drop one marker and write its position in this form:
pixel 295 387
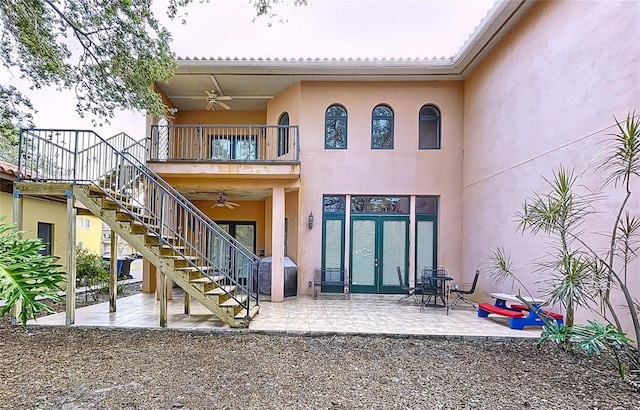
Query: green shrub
pixel 91 271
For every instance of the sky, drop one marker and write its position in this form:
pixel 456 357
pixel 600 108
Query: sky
pixel 323 28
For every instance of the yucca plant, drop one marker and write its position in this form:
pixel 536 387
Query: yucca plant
pixel 25 275
pixel 575 274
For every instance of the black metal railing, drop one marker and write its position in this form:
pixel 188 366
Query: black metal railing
pixel 115 166
pixel 216 143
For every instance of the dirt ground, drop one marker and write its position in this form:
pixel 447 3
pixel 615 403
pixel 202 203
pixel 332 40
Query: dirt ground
pixel 72 368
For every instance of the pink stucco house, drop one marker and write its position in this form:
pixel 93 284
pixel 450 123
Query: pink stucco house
pixel 369 164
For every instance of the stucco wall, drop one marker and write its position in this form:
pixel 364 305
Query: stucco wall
pixel 38 210
pixel 544 97
pixel 359 170
pixel 89 237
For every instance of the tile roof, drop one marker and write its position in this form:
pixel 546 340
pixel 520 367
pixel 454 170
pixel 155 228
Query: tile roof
pixel 8 169
pixel 316 59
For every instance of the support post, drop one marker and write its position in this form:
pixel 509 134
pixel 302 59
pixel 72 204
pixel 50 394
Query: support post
pixel 113 272
pixel 163 299
pixel 277 245
pixel 71 260
pixel 18 220
pixel 187 303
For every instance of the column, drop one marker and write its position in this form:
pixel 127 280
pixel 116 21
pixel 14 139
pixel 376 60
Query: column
pixel 71 260
pixel 18 220
pixel 277 245
pixel 113 272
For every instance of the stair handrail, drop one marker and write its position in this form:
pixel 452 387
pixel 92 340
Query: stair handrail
pixel 69 157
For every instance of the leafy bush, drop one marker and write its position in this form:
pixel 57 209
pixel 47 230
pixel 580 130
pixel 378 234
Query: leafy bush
pixel 91 271
pixel 25 275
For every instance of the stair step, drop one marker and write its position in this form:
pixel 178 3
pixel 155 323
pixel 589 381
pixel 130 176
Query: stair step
pixel 194 269
pixel 124 216
pixel 221 290
pixel 179 257
pixel 233 302
pixel 243 313
pixel 109 203
pixel 207 279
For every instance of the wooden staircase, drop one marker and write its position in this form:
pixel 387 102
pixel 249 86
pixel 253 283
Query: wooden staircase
pixel 109 177
pixel 202 283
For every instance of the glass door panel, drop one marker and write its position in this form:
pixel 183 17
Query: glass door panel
pixel 363 256
pixel 425 244
pixel 246 235
pixel 378 247
pixel 394 250
pixel 333 243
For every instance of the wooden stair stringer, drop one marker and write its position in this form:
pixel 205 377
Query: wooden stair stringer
pixel 165 265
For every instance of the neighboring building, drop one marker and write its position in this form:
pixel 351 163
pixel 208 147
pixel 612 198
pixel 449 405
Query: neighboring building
pixel 122 247
pixel 410 163
pixel 44 218
pixel 89 232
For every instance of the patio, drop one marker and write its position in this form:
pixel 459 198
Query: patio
pixel 330 313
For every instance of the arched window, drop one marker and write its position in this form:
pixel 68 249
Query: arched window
pixel 283 134
pixel 429 128
pixel 335 127
pixel 382 127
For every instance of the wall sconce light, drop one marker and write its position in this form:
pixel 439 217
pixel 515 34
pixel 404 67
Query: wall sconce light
pixel 311 220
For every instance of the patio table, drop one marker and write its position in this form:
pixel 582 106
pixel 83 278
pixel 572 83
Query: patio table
pixel 532 318
pixel 435 285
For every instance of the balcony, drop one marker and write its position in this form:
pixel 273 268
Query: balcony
pixel 225 150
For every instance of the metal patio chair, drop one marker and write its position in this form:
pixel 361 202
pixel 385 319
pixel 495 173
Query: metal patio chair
pixel 464 291
pixel 411 290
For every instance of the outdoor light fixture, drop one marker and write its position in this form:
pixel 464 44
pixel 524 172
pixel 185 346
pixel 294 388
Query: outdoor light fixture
pixel 311 220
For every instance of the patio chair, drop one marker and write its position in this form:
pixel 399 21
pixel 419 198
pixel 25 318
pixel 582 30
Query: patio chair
pixel 464 291
pixel 411 291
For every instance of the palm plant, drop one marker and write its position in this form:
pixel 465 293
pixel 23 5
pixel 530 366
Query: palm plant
pixel 26 276
pixel 576 274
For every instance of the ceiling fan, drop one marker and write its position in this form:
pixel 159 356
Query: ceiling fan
pixel 222 201
pixel 214 100
pixel 216 96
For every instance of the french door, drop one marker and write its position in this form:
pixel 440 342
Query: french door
pixel 379 244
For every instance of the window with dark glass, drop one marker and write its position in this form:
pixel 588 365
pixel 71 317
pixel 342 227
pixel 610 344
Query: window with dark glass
pixel 334 204
pixel 382 128
pixel 45 233
pixel 335 127
pixel 429 128
pixel 380 204
pixel 283 134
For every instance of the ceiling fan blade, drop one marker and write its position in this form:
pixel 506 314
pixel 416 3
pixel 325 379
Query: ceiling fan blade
pixel 224 98
pixel 233 204
pixel 223 105
pixel 228 205
pixel 210 106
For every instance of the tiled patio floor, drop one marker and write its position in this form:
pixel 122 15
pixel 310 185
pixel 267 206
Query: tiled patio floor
pixel 362 314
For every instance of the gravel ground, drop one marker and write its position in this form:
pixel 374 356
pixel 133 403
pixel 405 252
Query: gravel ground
pixel 71 368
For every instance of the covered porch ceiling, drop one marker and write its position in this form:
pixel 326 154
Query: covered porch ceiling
pixel 248 84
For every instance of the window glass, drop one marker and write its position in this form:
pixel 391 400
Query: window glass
pixel 380 204
pixel 334 204
pixel 429 127
pixel 45 232
pixel 283 134
pixel 335 134
pixel 427 205
pixel 382 127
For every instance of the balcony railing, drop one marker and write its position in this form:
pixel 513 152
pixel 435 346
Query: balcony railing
pixel 223 143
